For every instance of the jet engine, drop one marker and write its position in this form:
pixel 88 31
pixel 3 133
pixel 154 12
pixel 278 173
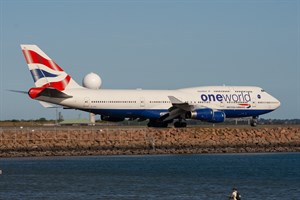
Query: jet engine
pixel 207 115
pixel 218 117
pixel 92 81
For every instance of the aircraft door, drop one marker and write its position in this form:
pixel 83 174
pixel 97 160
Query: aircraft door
pixel 254 102
pixel 86 102
pixel 142 102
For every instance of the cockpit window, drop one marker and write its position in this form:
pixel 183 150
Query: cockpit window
pixel 262 90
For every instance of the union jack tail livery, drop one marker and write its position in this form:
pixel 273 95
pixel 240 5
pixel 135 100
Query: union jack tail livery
pixel 45 72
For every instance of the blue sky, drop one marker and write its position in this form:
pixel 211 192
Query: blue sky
pixel 154 45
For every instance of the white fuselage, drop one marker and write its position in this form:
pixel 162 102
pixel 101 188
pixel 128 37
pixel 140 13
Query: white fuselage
pixel 161 107
pixel 234 101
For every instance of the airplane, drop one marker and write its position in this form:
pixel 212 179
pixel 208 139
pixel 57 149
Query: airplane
pixel 161 107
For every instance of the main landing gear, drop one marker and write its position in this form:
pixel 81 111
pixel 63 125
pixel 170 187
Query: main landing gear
pixel 180 124
pixel 253 121
pixel 157 124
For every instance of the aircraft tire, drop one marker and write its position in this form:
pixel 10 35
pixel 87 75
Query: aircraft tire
pixel 253 122
pixel 180 124
pixel 157 124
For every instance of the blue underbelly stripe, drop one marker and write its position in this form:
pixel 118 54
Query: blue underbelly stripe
pixel 156 113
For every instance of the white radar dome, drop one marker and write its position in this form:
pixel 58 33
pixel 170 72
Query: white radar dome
pixel 92 81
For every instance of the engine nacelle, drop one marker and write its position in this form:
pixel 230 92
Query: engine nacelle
pixel 207 115
pixel 203 114
pixel 218 117
pixel 111 119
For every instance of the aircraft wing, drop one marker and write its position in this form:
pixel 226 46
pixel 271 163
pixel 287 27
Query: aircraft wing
pixel 178 108
pixel 176 103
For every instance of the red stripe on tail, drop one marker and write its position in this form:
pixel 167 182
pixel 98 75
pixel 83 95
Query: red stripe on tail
pixel 32 57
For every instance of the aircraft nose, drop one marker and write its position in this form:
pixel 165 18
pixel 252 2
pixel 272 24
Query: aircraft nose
pixel 277 103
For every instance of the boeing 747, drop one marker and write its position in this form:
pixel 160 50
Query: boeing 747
pixel 161 107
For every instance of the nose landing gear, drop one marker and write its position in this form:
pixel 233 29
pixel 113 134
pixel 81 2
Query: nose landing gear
pixel 254 121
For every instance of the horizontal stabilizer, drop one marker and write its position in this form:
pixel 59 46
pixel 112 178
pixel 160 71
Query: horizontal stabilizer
pixel 47 92
pixel 52 92
pixel 49 105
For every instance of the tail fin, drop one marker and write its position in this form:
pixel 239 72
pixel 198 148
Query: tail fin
pixel 45 72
